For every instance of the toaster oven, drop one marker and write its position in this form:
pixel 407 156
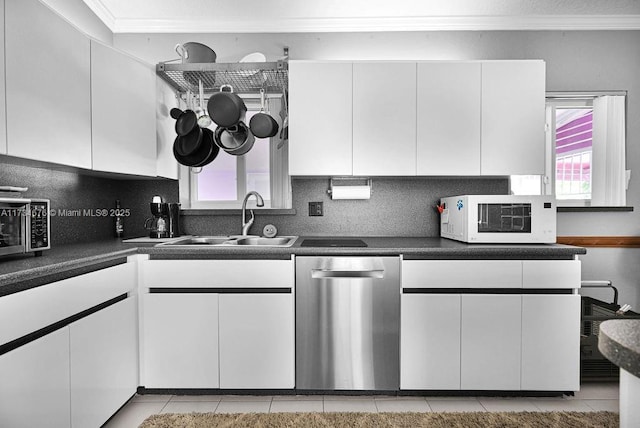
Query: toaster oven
pixel 24 226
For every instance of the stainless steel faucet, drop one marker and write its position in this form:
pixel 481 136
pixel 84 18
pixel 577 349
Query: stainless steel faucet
pixel 259 202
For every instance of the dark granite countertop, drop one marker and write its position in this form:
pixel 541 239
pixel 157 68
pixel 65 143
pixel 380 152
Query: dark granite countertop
pixel 20 273
pixel 619 341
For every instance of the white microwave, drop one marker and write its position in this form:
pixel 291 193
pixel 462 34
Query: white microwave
pixel 498 219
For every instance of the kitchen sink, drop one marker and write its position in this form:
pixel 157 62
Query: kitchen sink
pixel 199 240
pixel 284 241
pixel 236 240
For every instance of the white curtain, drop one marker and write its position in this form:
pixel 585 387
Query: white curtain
pixel 608 168
pixel 279 163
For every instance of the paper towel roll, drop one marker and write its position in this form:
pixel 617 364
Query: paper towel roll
pixel 351 192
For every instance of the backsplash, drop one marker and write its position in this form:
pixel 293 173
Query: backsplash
pixel 76 194
pixel 398 207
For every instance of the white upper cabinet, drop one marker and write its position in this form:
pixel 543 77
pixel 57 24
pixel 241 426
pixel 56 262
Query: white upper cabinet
pixel 3 116
pixel 167 165
pixel 123 111
pixel 513 104
pixel 384 118
pixel 320 124
pixel 448 104
pixel 436 118
pixel 47 86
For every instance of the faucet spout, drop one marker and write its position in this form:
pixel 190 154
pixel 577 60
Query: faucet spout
pixel 246 224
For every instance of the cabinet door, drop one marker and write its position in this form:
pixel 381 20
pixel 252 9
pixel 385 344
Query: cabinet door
pixel 34 383
pixel 491 342
pixel 167 166
pixel 3 95
pixel 430 341
pixel 448 135
pixel 123 111
pixel 48 86
pixel 384 118
pixel 256 341
pixel 513 118
pixel 320 123
pixel 551 342
pixel 180 341
pixel 104 363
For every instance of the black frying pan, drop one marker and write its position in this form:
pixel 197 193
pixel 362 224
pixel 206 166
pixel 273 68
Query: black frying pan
pixel 186 122
pixel 188 144
pixel 204 155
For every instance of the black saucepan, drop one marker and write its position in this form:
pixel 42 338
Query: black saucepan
pixel 263 125
pixel 225 108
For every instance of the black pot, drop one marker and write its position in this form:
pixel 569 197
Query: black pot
pixel 237 140
pixel 226 109
pixel 263 125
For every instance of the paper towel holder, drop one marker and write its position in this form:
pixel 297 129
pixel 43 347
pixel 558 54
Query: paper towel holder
pixel 350 188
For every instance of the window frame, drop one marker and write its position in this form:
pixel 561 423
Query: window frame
pixel 547 182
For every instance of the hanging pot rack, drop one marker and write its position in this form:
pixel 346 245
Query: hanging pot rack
pixel 245 77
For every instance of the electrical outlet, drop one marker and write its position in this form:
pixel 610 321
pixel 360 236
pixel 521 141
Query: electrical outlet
pixel 315 209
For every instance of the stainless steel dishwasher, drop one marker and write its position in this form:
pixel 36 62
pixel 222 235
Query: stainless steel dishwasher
pixel 347 323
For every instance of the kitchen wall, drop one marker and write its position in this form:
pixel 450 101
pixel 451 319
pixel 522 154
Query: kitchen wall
pixel 71 190
pixel 398 207
pixel 576 61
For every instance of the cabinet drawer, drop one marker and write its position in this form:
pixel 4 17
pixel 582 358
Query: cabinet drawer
pixel 217 273
pixel 30 310
pixel 551 274
pixel 461 274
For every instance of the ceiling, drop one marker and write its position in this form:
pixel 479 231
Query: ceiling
pixel 304 16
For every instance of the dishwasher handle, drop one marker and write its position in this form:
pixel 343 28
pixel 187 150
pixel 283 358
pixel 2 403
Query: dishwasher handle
pixel 349 274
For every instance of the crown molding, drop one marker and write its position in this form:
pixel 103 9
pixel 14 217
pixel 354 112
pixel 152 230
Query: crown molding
pixel 103 13
pixel 375 24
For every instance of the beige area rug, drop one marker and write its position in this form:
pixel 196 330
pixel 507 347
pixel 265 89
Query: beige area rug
pixel 367 420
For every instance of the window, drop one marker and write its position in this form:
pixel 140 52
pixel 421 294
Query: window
pixel 224 183
pixel 585 163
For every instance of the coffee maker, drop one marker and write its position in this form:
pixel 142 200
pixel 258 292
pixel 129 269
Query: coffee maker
pixel 165 220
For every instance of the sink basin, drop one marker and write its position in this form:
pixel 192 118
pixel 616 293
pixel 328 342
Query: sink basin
pixel 283 241
pixel 236 240
pixel 199 240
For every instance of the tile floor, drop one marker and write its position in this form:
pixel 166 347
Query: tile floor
pixel 592 397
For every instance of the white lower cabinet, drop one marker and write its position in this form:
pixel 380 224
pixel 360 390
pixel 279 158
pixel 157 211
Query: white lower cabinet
pixel 180 343
pixel 104 363
pixel 491 325
pixel 34 383
pixel 430 341
pixel 551 342
pixel 490 342
pixel 257 341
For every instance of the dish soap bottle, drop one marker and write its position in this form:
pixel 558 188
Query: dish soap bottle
pixel 119 221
